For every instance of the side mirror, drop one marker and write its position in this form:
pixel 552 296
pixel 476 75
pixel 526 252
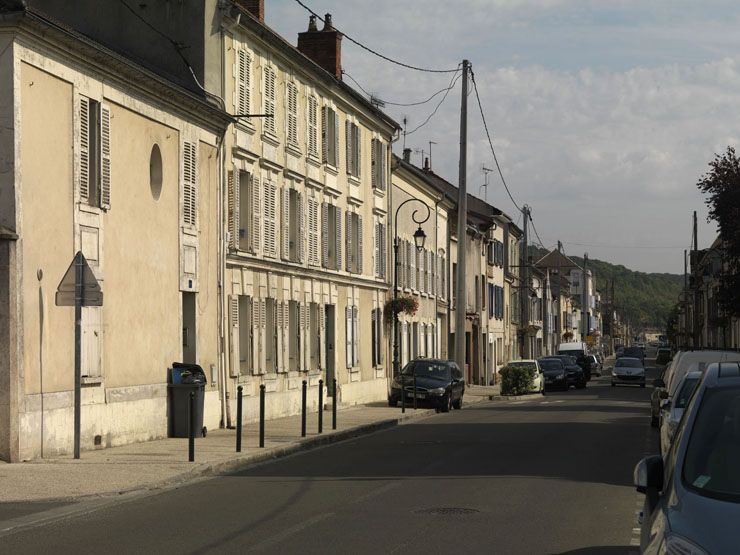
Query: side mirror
pixel 648 474
pixel 663 394
pixel 658 382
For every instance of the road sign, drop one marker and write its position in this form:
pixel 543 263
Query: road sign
pixel 90 292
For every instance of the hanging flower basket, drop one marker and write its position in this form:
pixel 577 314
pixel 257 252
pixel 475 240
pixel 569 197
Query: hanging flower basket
pixel 568 335
pixel 401 305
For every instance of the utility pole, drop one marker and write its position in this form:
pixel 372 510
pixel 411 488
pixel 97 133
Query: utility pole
pixel 560 309
pixel 584 302
pixel 684 338
pixel 462 223
pixel 695 273
pixel 524 284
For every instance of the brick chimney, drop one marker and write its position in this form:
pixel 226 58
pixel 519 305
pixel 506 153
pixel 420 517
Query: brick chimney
pixel 323 47
pixel 407 155
pixel 255 7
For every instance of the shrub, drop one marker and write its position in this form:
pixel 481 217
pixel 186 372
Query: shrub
pixel 516 379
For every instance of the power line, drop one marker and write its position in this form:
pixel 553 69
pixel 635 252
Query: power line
pixel 608 246
pixel 455 78
pixel 535 232
pixel 388 102
pixel 490 142
pixel 378 54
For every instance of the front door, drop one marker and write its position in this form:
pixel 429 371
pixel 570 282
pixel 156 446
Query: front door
pixel 188 328
pixel 330 347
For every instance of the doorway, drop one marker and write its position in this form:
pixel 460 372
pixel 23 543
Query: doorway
pixel 329 338
pixel 188 328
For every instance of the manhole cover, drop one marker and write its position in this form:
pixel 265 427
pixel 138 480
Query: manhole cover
pixel 448 511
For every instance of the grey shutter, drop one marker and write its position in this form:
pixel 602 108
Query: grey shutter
pixel 355 336
pixel 336 139
pixel 374 336
pixel 359 244
pixel 233 216
pixel 374 164
pixel 84 148
pixel 285 231
pixel 412 270
pixel 358 150
pixel 234 335
pixel 383 153
pixel 322 336
pixel 243 81
pixel 348 228
pixel 377 251
pixel 348 146
pixel 349 351
pixel 325 234
pixel 301 234
pixel 338 254
pixel 324 136
pixel 278 312
pixel 105 160
pixel 256 215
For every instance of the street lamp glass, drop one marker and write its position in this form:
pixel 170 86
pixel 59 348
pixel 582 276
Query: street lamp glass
pixel 419 238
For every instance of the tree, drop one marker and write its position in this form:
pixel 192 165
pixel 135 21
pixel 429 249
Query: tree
pixel 721 184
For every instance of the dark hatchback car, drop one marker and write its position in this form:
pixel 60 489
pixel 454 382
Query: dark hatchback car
pixel 692 494
pixel 555 373
pixel 439 383
pixel 576 376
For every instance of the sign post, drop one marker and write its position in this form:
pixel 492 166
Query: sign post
pixel 78 288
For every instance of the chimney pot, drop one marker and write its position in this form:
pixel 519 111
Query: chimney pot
pixel 426 164
pixel 312 23
pixel 327 23
pixel 407 155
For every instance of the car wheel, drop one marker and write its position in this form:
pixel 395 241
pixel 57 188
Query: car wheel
pixel 447 403
pixel 542 389
pixel 457 405
pixel 653 421
pixel 613 384
pixel 642 385
pixel 392 402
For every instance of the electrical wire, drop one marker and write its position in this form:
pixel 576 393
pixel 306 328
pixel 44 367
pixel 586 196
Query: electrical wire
pixel 535 231
pixel 455 79
pixel 490 141
pixel 378 54
pixel 388 102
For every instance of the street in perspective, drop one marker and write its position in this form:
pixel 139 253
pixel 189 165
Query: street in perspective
pixel 286 276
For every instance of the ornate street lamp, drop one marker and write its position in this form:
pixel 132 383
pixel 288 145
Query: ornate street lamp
pixel 419 239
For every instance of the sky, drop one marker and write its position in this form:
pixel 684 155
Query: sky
pixel 604 114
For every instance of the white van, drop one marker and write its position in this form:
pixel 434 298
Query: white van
pixel 575 348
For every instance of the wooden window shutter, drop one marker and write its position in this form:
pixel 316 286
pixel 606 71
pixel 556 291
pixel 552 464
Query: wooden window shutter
pixel 313 232
pixel 325 234
pixel 233 216
pixel 376 254
pixel 84 148
pixel 412 270
pixel 359 254
pixel 381 338
pixel 338 231
pixel 348 239
pixel 256 190
pixel 312 125
pixel 243 85
pixel 256 365
pixel 189 165
pixel 286 336
pixel 324 135
pixel 355 336
pixel 301 235
pixel 285 231
pixel 374 336
pixel 269 93
pixel 292 124
pixel 322 336
pixel 105 158
pixel 357 148
pixel 270 199
pixel 349 351
pixel 383 252
pixel 336 139
pixel 348 147
pixel 383 155
pixel 374 164
pixel 279 360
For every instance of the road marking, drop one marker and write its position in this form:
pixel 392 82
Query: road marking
pixel 285 534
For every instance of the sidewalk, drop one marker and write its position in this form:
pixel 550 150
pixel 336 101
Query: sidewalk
pixel 162 463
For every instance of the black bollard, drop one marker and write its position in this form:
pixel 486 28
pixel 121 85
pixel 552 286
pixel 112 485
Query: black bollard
pixel 239 419
pixel 414 388
pixel 191 428
pixel 321 406
pixel 303 410
pixel 334 405
pixel 262 415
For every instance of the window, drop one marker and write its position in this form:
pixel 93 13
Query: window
pixel 330 137
pixel 269 97
pixel 312 126
pixel 270 215
pixel 292 119
pixel 379 165
pixel 189 183
pixel 353 336
pixel 293 233
pixel 294 336
pixel 155 172
pixel 380 250
pixel 354 243
pixel 352 140
pixel 331 222
pixel 377 337
pixel 246 352
pixel 243 83
pixel 313 335
pixel 271 348
pixel 95 153
pixel 313 232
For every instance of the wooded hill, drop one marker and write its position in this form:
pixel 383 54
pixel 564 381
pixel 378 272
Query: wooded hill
pixel 644 299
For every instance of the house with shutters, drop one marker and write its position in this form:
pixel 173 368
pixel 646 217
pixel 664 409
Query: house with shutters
pixel 99 154
pixel 307 206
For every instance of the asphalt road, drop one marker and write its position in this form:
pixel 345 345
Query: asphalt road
pixel 544 475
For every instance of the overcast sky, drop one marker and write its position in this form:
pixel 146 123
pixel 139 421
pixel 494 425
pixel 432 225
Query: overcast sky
pixel 604 113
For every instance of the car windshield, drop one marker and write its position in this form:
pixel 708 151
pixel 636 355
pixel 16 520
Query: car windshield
pixel 428 369
pixel 550 364
pixel 628 363
pixel 713 452
pixel 633 351
pixel 684 396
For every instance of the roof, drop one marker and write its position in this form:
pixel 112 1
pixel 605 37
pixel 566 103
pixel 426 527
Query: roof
pixel 555 258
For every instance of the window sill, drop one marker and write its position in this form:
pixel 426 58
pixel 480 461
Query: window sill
pixel 313 159
pixel 242 125
pixel 354 179
pixel 271 138
pixel 293 148
pixel 331 169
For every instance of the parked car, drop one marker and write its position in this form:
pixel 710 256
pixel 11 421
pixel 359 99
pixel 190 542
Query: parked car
pixel 628 371
pixel 692 495
pixel 634 352
pixel 595 364
pixel 672 409
pixel 579 350
pixel 663 356
pixel 439 383
pixel 619 352
pixel 538 379
pixel 575 374
pixel 555 374
pixel 659 392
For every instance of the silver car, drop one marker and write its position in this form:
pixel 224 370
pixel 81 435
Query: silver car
pixel 672 409
pixel 628 370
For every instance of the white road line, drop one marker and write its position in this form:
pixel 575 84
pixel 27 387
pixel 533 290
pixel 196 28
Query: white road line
pixel 285 534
